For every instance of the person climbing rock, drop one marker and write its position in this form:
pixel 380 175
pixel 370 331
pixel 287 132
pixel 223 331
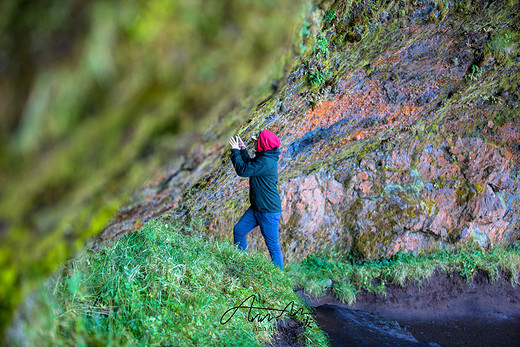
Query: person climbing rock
pixel 266 206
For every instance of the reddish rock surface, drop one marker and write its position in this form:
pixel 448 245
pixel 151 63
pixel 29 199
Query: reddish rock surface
pixel 366 172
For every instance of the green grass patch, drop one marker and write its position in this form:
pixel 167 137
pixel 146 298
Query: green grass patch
pixel 318 274
pixel 157 287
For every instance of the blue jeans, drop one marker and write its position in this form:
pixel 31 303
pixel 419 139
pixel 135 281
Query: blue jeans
pixel 268 222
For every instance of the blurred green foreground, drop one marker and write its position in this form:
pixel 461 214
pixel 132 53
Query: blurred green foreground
pixel 96 96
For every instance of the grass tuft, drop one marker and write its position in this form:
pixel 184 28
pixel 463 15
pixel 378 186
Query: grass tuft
pixel 316 274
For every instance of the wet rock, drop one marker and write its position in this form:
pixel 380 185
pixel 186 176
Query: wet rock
pixel 411 198
pixel 445 201
pixel 489 207
pixel 347 327
pixel 433 164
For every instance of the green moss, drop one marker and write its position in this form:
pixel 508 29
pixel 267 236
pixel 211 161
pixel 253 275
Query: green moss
pixel 379 229
pixel 479 188
pixel 504 117
pixel 428 206
pixel 317 78
pixel 465 193
pixel 502 45
pixel 330 15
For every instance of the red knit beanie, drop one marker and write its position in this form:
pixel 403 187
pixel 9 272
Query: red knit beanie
pixel 267 141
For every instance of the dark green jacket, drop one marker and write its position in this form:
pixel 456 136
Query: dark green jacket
pixel 263 178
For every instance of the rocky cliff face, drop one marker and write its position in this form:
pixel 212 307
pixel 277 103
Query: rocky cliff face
pixel 409 144
pixel 399 131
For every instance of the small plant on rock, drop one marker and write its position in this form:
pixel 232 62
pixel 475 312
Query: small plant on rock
pixel 475 73
pixel 321 48
pixel 330 15
pixel 317 76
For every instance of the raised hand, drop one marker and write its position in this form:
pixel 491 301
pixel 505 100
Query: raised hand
pixel 234 143
pixel 241 143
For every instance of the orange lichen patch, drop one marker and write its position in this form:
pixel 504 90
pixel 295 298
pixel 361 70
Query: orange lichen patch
pixel 365 187
pixel 324 115
pixel 366 103
pixel 405 115
pixel 329 112
pixel 362 175
pixel 359 135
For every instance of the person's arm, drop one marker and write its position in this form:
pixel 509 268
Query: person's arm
pixel 243 151
pixel 245 155
pixel 257 167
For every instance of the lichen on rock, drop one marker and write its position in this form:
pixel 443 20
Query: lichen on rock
pixel 391 157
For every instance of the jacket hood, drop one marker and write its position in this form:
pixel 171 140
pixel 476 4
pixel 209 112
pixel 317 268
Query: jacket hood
pixel 272 153
pixel 267 141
